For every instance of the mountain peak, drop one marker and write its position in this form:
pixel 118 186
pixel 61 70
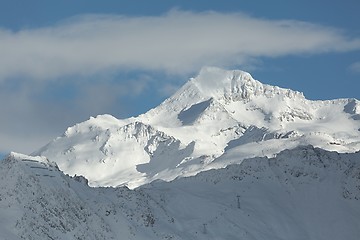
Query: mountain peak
pixel 216 118
pixel 236 85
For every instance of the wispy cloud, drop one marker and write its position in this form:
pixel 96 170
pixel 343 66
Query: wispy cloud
pixel 355 67
pixel 175 42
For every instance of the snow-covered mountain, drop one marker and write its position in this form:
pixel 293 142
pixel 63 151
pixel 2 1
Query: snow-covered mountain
pixel 240 155
pixel 303 193
pixel 218 118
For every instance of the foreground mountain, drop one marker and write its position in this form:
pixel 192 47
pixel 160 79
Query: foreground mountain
pixel 304 193
pixel 217 118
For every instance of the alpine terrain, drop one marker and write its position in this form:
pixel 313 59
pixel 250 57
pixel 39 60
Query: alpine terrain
pixel 217 118
pixel 225 157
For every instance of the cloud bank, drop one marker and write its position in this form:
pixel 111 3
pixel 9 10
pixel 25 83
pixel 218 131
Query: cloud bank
pixel 177 42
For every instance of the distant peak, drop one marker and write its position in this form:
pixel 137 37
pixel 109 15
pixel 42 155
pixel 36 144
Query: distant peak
pixel 100 122
pixel 236 85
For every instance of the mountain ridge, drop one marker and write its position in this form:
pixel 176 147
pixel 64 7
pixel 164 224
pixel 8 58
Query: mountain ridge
pixel 219 112
pixel 299 193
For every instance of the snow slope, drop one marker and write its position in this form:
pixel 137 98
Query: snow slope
pixel 217 118
pixel 303 193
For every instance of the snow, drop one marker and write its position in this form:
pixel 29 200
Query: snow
pixel 225 157
pixel 215 115
pixel 303 193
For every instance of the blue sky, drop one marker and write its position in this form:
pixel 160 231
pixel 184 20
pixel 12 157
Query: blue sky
pixel 64 61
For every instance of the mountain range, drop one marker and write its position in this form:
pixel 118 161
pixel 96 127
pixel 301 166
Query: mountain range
pixel 218 118
pixel 225 157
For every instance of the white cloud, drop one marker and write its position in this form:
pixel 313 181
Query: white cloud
pixel 175 42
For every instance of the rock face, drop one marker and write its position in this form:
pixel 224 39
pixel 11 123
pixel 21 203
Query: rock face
pixel 302 193
pixel 217 118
